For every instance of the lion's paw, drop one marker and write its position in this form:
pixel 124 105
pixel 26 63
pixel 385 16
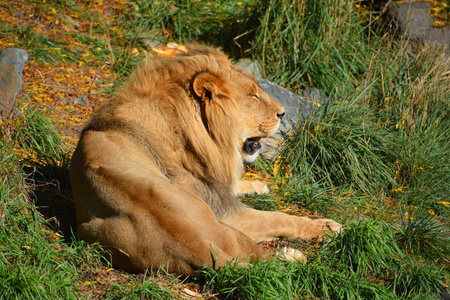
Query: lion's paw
pixel 292 254
pixel 265 189
pixel 322 226
pixel 329 225
pixel 251 188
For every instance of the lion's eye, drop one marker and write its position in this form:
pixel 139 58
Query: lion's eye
pixel 255 96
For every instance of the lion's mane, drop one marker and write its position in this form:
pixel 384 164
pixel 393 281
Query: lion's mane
pixel 159 109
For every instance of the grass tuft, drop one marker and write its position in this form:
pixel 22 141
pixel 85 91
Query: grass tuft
pixel 366 247
pixel 423 236
pixel 38 139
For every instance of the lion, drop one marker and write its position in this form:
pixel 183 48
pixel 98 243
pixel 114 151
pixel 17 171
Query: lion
pixel 155 175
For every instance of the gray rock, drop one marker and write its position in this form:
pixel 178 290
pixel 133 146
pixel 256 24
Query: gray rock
pixel 314 95
pixel 12 61
pixel 412 20
pixel 252 66
pixel 297 108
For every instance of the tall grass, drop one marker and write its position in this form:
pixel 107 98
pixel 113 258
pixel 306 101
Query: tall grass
pixel 385 128
pixel 39 140
pixel 311 42
pixel 377 150
pixel 229 24
pixel 389 137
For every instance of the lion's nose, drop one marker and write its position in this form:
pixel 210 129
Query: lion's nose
pixel 280 115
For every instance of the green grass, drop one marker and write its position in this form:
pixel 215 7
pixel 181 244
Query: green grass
pixel 375 157
pixel 365 262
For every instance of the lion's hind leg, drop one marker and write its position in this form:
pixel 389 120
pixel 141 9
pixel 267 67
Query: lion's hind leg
pixel 138 242
pixel 156 223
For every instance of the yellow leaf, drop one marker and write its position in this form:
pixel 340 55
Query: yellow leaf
pixel 276 165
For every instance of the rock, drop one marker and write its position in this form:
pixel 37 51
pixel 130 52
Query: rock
pixel 12 62
pixel 252 66
pixel 314 95
pixel 412 20
pixel 297 108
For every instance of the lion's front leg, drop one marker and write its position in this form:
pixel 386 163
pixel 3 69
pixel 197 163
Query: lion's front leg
pixel 266 225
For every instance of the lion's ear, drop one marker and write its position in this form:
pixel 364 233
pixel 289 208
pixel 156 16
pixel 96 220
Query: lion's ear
pixel 206 86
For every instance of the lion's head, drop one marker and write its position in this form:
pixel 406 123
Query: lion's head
pixel 258 115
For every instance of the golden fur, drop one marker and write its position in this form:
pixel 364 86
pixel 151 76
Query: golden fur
pixel 155 175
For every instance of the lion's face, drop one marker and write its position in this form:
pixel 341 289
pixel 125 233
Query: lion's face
pixel 235 98
pixel 260 116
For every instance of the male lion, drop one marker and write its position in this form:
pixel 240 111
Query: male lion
pixel 155 174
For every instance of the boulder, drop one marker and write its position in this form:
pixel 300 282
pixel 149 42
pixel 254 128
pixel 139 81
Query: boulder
pixel 12 61
pixel 297 107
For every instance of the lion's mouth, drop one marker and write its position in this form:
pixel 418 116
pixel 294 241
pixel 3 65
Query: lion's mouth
pixel 252 145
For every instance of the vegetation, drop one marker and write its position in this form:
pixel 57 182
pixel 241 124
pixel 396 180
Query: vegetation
pixel 375 157
pixel 441 13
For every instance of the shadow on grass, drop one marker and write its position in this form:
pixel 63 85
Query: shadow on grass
pixel 52 195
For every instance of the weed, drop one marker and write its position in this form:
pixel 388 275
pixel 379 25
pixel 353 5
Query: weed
pixel 418 280
pixel 365 246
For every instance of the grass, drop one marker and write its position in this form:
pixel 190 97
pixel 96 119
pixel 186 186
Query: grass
pixel 348 267
pixel 375 157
